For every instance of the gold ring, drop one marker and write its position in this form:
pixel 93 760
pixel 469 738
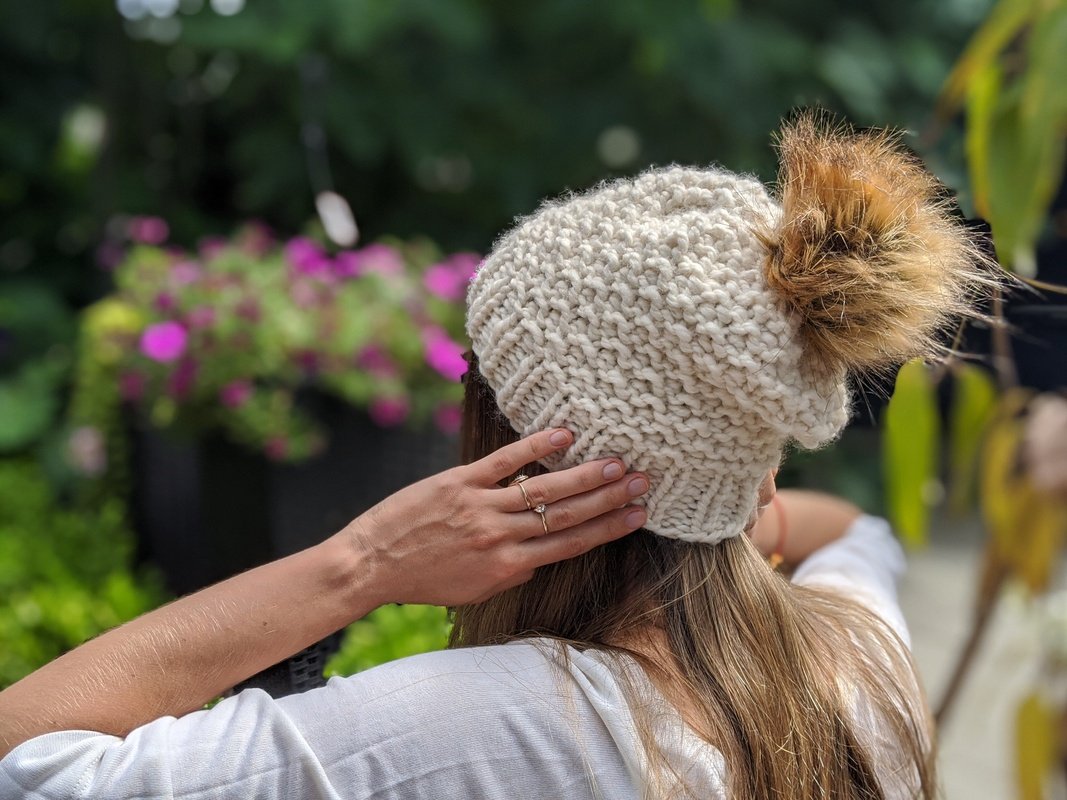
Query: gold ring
pixel 518 482
pixel 541 509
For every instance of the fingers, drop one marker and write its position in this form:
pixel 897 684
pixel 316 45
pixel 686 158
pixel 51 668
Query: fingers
pixel 581 508
pixel 508 460
pixel 554 486
pixel 579 539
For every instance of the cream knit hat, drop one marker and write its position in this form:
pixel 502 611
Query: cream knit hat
pixel 641 317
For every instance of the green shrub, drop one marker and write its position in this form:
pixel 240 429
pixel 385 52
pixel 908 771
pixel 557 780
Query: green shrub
pixel 66 574
pixel 390 633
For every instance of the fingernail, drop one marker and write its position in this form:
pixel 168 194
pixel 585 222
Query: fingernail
pixel 559 438
pixel 612 471
pixel 637 486
pixel 635 519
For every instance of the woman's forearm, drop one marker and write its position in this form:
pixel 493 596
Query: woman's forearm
pixel 811 520
pixel 178 657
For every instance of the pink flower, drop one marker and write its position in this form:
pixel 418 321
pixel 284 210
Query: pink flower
pixel 236 393
pixel 165 302
pixel 131 386
pixel 376 361
pixel 374 258
pixel 447 418
pixel 444 283
pixel 148 230
pixel 443 354
pixel 248 310
pixel 276 448
pixel 304 294
pixel 255 238
pixel 306 257
pixel 211 246
pixel 164 341
pixel 449 278
pixel 388 412
pixel 185 272
pixel 464 263
pixel 308 361
pixel 183 379
pixel 201 317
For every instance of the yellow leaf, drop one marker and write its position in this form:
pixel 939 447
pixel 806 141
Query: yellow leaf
pixel 1027 527
pixel 911 444
pixel 1004 23
pixel 974 398
pixel 1035 747
pixel 982 94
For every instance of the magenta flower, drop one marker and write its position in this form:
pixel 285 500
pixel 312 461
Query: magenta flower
pixel 248 310
pixel 164 341
pixel 376 361
pixel 449 278
pixel 235 393
pixel 211 246
pixel 388 412
pixel 183 379
pixel 304 294
pixel 165 302
pixel 148 230
pixel 444 283
pixel 184 273
pixel 277 448
pixel 306 257
pixel 255 238
pixel 380 259
pixel 443 354
pixel 447 418
pixel 201 317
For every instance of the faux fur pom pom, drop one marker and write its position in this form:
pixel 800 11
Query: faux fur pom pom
pixel 868 253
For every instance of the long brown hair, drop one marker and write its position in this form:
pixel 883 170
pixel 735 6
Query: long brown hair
pixel 804 693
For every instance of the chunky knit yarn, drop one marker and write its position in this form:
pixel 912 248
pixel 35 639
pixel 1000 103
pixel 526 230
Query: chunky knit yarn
pixel 638 316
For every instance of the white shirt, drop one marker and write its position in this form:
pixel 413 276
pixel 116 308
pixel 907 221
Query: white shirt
pixel 483 722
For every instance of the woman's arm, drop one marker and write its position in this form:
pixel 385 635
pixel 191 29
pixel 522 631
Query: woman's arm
pixel 456 537
pixel 811 520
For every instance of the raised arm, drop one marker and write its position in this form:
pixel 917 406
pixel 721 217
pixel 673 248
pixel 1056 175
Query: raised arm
pixel 454 538
pixel 810 521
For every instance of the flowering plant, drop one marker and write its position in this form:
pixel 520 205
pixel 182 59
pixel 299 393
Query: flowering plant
pixel 228 336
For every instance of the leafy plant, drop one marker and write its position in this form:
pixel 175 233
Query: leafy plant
pixel 389 633
pixel 230 336
pixel 66 575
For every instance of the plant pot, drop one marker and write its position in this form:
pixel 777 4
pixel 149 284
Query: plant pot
pixel 206 508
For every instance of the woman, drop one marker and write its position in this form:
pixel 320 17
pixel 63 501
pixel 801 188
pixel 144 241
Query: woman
pixel 683 324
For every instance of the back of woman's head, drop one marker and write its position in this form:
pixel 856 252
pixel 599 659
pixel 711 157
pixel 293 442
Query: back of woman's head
pixel 693 325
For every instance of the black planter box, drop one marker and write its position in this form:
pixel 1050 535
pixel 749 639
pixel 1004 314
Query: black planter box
pixel 205 509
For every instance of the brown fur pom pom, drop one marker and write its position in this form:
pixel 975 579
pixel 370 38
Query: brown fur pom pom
pixel 868 253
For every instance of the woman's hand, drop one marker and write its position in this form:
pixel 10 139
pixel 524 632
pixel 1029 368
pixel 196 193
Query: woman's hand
pixel 459 537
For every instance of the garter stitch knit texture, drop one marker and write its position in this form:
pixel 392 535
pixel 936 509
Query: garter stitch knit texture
pixel 638 316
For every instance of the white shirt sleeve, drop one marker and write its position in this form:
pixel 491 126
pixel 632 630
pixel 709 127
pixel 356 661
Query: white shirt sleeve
pixel 864 565
pixel 479 722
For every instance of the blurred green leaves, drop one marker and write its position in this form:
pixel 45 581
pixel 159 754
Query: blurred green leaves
pixel 65 575
pixel 1011 80
pixel 911 447
pixel 389 633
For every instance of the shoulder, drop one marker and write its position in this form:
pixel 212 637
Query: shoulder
pixel 474 678
pixel 864 565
